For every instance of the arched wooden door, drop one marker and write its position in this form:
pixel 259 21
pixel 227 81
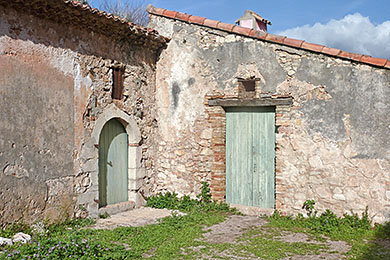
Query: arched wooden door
pixel 113 181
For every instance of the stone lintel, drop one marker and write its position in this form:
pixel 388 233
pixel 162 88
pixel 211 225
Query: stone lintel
pixel 256 102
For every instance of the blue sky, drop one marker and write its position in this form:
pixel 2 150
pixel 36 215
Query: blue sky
pixel 361 26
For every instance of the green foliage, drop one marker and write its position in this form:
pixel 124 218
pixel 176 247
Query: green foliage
pixel 205 196
pixel 14 228
pixel 347 227
pixel 186 204
pixel 55 248
pixel 104 215
pixel 308 205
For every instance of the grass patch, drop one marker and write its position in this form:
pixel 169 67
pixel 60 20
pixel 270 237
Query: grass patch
pixel 159 241
pixel 366 242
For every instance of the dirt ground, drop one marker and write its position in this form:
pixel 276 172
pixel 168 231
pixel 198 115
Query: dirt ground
pixel 228 232
pixel 133 218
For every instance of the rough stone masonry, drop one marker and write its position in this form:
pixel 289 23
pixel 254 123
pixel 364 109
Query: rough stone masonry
pixel 332 142
pixel 55 90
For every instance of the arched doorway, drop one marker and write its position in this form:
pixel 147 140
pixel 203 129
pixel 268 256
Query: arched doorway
pixel 113 164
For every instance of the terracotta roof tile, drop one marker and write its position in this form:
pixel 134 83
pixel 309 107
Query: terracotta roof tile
pixel 387 65
pixel 196 19
pixel 373 61
pixel 293 42
pixel 349 55
pixel 273 38
pixel 171 14
pixel 226 26
pixel 211 23
pixel 260 34
pixel 241 30
pixel 183 16
pixel 312 46
pixel 155 10
pixel 252 33
pixel 331 51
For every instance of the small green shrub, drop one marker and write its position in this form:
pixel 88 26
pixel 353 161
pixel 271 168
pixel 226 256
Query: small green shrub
pixel 203 202
pixel 104 215
pixel 347 227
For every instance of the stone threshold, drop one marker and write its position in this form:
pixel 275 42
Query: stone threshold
pixel 117 208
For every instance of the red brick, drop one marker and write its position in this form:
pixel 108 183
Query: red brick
pixel 241 30
pixel 312 47
pixel 350 55
pixel 170 14
pixel 212 24
pixel 293 42
pixel 226 26
pixel 275 38
pixel 331 51
pixel 373 61
pixel 196 19
pixel 182 16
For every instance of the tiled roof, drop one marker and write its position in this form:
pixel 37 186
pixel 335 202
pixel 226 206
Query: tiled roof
pixel 82 15
pixel 299 44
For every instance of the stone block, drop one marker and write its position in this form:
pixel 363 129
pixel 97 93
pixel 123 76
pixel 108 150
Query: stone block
pixel 135 184
pixel 338 197
pixel 135 156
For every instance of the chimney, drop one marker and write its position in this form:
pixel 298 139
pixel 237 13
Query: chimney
pixel 253 21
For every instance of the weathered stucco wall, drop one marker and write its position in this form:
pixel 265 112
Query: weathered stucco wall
pixel 55 82
pixel 332 142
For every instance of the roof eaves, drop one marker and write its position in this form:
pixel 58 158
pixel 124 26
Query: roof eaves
pixel 299 44
pixel 84 16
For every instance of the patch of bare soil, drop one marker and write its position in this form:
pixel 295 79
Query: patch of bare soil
pixel 132 218
pixel 335 251
pixel 231 229
pixel 383 242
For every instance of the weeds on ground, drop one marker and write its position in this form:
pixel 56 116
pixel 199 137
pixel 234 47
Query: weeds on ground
pixel 202 203
pixel 354 229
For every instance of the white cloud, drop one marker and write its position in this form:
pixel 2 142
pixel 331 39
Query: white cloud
pixel 353 33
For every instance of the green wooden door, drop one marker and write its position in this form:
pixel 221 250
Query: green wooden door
pixel 113 164
pixel 250 156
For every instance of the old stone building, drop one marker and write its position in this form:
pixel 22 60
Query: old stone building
pixel 270 121
pixel 97 113
pixel 61 64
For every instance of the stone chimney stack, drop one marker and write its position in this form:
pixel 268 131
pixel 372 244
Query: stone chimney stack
pixel 253 21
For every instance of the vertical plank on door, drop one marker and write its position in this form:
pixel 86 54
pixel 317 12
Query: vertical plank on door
pixel 263 142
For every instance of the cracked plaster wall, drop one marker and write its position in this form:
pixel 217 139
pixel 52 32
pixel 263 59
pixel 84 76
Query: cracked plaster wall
pixel 333 143
pixel 55 81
